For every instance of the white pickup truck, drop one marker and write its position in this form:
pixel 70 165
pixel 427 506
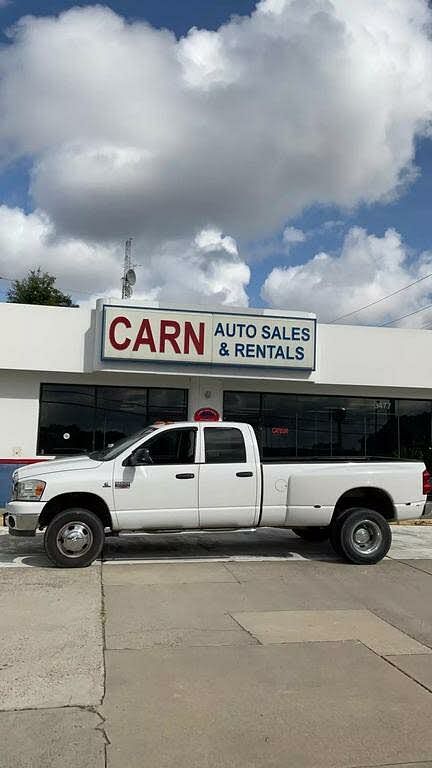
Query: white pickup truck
pixel 207 476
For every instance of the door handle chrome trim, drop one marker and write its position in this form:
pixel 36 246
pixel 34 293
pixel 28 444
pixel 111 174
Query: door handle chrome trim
pixel 185 476
pixel 244 474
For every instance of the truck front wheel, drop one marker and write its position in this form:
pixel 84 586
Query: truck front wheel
pixel 74 538
pixel 363 536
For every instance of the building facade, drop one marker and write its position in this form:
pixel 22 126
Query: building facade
pixel 75 380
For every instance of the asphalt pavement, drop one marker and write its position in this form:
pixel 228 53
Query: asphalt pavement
pixel 224 650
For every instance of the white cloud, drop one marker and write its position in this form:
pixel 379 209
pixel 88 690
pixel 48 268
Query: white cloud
pixel 205 269
pixel 132 132
pixel 292 235
pixel 211 240
pixel 135 133
pixel 368 268
pixel 29 241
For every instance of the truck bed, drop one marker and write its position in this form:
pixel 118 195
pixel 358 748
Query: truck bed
pixel 304 493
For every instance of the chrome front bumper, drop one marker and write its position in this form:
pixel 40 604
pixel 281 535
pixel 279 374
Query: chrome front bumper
pixel 22 517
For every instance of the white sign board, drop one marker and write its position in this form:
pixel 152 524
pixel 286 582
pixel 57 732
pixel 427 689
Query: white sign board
pixel 139 334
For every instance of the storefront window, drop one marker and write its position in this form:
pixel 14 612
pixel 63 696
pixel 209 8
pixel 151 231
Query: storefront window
pixel 78 419
pixel 414 427
pixel 66 423
pixel 292 426
pixel 278 426
pixel 118 412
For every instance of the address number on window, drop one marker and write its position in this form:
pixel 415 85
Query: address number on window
pixel 382 405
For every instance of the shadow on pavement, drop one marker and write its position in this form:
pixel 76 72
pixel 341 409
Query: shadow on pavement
pixel 263 545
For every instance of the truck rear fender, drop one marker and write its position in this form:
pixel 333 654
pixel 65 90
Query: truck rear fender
pixel 369 497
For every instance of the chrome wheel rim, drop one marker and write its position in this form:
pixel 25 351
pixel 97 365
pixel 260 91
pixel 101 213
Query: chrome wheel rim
pixel 366 537
pixel 74 539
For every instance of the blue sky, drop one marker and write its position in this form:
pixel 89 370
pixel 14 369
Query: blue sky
pixel 263 248
pixel 178 15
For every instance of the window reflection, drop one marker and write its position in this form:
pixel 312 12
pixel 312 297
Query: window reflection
pixel 414 427
pixel 310 426
pixel 79 419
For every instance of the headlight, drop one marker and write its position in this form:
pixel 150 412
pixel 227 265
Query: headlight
pixel 28 490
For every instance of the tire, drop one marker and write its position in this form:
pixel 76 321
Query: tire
pixel 313 533
pixel 335 529
pixel 74 538
pixel 364 536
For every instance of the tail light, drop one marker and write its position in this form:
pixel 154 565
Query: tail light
pixel 427 482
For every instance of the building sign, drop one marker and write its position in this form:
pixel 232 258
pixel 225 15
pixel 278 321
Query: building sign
pixel 139 334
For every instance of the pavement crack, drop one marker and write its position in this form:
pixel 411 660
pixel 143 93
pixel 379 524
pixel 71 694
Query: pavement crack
pixel 407 674
pixel 81 707
pixel 226 565
pixel 374 611
pixel 102 727
pixel 255 639
pixel 411 565
pixel 103 624
pixel 387 660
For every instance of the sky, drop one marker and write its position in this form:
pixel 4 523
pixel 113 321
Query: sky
pixel 273 153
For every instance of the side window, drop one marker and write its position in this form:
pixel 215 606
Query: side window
pixel 224 445
pixel 176 446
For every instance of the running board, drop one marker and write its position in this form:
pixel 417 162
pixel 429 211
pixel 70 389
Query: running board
pixel 165 531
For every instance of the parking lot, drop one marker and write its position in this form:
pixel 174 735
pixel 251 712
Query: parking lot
pixel 252 649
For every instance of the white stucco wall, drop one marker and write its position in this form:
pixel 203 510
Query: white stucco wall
pixel 61 345
pixel 43 338
pixel 61 339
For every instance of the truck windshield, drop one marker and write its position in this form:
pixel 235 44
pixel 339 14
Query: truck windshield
pixel 115 450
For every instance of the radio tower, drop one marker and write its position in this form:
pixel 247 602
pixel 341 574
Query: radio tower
pixel 127 271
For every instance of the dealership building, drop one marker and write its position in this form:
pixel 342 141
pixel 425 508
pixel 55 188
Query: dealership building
pixel 75 380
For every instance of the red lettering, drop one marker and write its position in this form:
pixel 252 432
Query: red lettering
pixel 190 336
pixel 169 335
pixel 145 336
pixel 112 337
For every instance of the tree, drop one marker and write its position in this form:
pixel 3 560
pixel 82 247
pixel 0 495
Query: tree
pixel 38 288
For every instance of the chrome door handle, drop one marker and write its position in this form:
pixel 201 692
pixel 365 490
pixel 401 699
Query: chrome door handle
pixel 185 476
pixel 244 474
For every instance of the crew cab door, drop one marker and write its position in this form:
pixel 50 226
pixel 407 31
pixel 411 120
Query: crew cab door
pixel 162 491
pixel 228 485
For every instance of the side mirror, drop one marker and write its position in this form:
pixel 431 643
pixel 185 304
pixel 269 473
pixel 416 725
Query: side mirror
pixel 138 457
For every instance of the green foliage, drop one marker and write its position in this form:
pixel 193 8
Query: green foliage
pixel 38 288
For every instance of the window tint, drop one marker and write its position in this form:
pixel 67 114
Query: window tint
pixel 65 428
pixel 414 427
pixel 79 418
pixel 176 446
pixel 120 412
pixel 290 426
pixel 167 405
pixel 224 445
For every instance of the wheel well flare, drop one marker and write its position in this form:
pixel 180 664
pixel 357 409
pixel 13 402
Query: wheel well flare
pixel 89 501
pixel 372 498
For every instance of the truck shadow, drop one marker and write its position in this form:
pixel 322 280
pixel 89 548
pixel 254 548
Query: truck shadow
pixel 22 552
pixel 267 544
pixel 263 545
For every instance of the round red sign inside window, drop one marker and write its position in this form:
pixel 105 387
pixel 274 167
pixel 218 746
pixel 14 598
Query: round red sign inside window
pixel 206 414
